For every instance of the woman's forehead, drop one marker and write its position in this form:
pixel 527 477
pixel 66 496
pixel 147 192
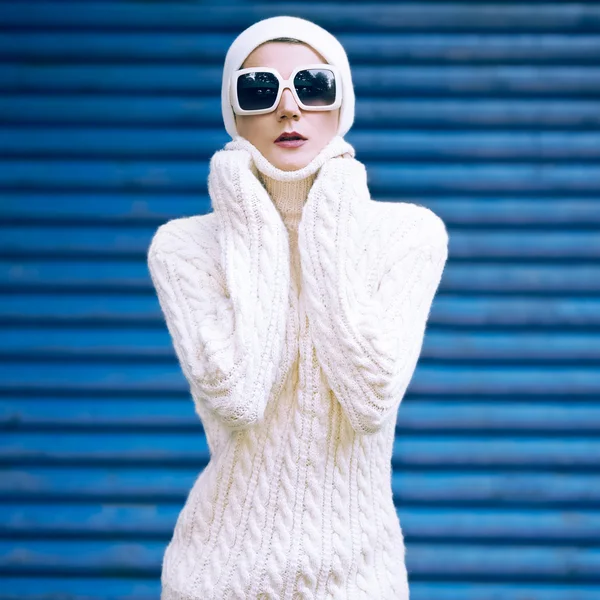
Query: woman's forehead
pixel 283 56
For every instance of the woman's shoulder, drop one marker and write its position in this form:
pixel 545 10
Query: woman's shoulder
pixel 408 217
pixel 186 236
pixel 412 211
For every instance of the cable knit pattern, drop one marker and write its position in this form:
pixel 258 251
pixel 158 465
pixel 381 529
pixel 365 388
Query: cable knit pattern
pixel 368 338
pixel 297 309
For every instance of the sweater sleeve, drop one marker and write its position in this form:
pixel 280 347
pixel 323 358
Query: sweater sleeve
pixel 225 300
pixel 368 331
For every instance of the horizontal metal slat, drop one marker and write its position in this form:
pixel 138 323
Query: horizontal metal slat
pixel 418 414
pixel 152 342
pixel 156 521
pixel 464 450
pixel 521 347
pixel 108 241
pixel 70 376
pixel 34 587
pixel 123 376
pixel 79 309
pixel 129 276
pixel 91 208
pixel 125 276
pixel 385 180
pixel 463 312
pixel 102 241
pixel 524 244
pixel 509 211
pixel 416 487
pixel 122 412
pixel 87 208
pixel 403 16
pixel 559 564
pixel 119 342
pixel 500 590
pixel 141 558
pixel 87 109
pixel 201 143
pixel 526 562
pixel 100 521
pixel 76 46
pixel 89 588
pixel 484 81
pixel 506 278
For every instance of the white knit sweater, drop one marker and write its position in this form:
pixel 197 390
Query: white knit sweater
pixel 297 310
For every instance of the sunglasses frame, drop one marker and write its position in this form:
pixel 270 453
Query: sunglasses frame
pixel 283 84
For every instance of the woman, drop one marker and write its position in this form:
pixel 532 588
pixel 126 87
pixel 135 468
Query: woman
pixel 297 309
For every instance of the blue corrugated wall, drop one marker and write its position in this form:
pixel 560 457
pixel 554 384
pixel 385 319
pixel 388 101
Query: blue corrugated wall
pixel 487 113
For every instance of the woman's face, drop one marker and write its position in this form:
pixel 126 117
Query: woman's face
pixel 318 127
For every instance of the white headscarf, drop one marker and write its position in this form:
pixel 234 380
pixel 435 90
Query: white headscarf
pixel 275 27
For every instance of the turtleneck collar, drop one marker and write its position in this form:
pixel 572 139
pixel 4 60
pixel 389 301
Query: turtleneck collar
pixel 289 189
pixel 288 196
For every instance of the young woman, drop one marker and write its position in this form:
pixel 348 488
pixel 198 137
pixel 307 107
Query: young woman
pixel 297 309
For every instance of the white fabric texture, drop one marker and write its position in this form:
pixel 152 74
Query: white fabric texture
pixel 297 309
pixel 306 31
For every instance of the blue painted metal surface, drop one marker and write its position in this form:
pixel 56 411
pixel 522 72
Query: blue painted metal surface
pixel 487 113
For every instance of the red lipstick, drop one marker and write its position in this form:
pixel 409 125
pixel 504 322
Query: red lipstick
pixel 290 139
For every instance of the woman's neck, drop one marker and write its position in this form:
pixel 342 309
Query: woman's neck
pixel 288 197
pixel 289 189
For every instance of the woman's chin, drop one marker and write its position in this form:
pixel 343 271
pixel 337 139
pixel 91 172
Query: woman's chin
pixel 290 159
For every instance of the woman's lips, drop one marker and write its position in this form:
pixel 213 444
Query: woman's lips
pixel 290 139
pixel 291 143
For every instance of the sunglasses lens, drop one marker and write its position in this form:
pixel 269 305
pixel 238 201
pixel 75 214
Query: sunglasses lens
pixel 257 90
pixel 315 87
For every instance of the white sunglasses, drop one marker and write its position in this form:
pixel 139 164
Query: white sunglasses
pixel 258 90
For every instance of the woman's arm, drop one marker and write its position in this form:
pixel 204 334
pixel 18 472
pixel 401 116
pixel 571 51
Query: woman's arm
pixel 368 336
pixel 225 295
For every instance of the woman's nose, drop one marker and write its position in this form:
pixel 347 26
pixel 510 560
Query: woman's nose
pixel 287 105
